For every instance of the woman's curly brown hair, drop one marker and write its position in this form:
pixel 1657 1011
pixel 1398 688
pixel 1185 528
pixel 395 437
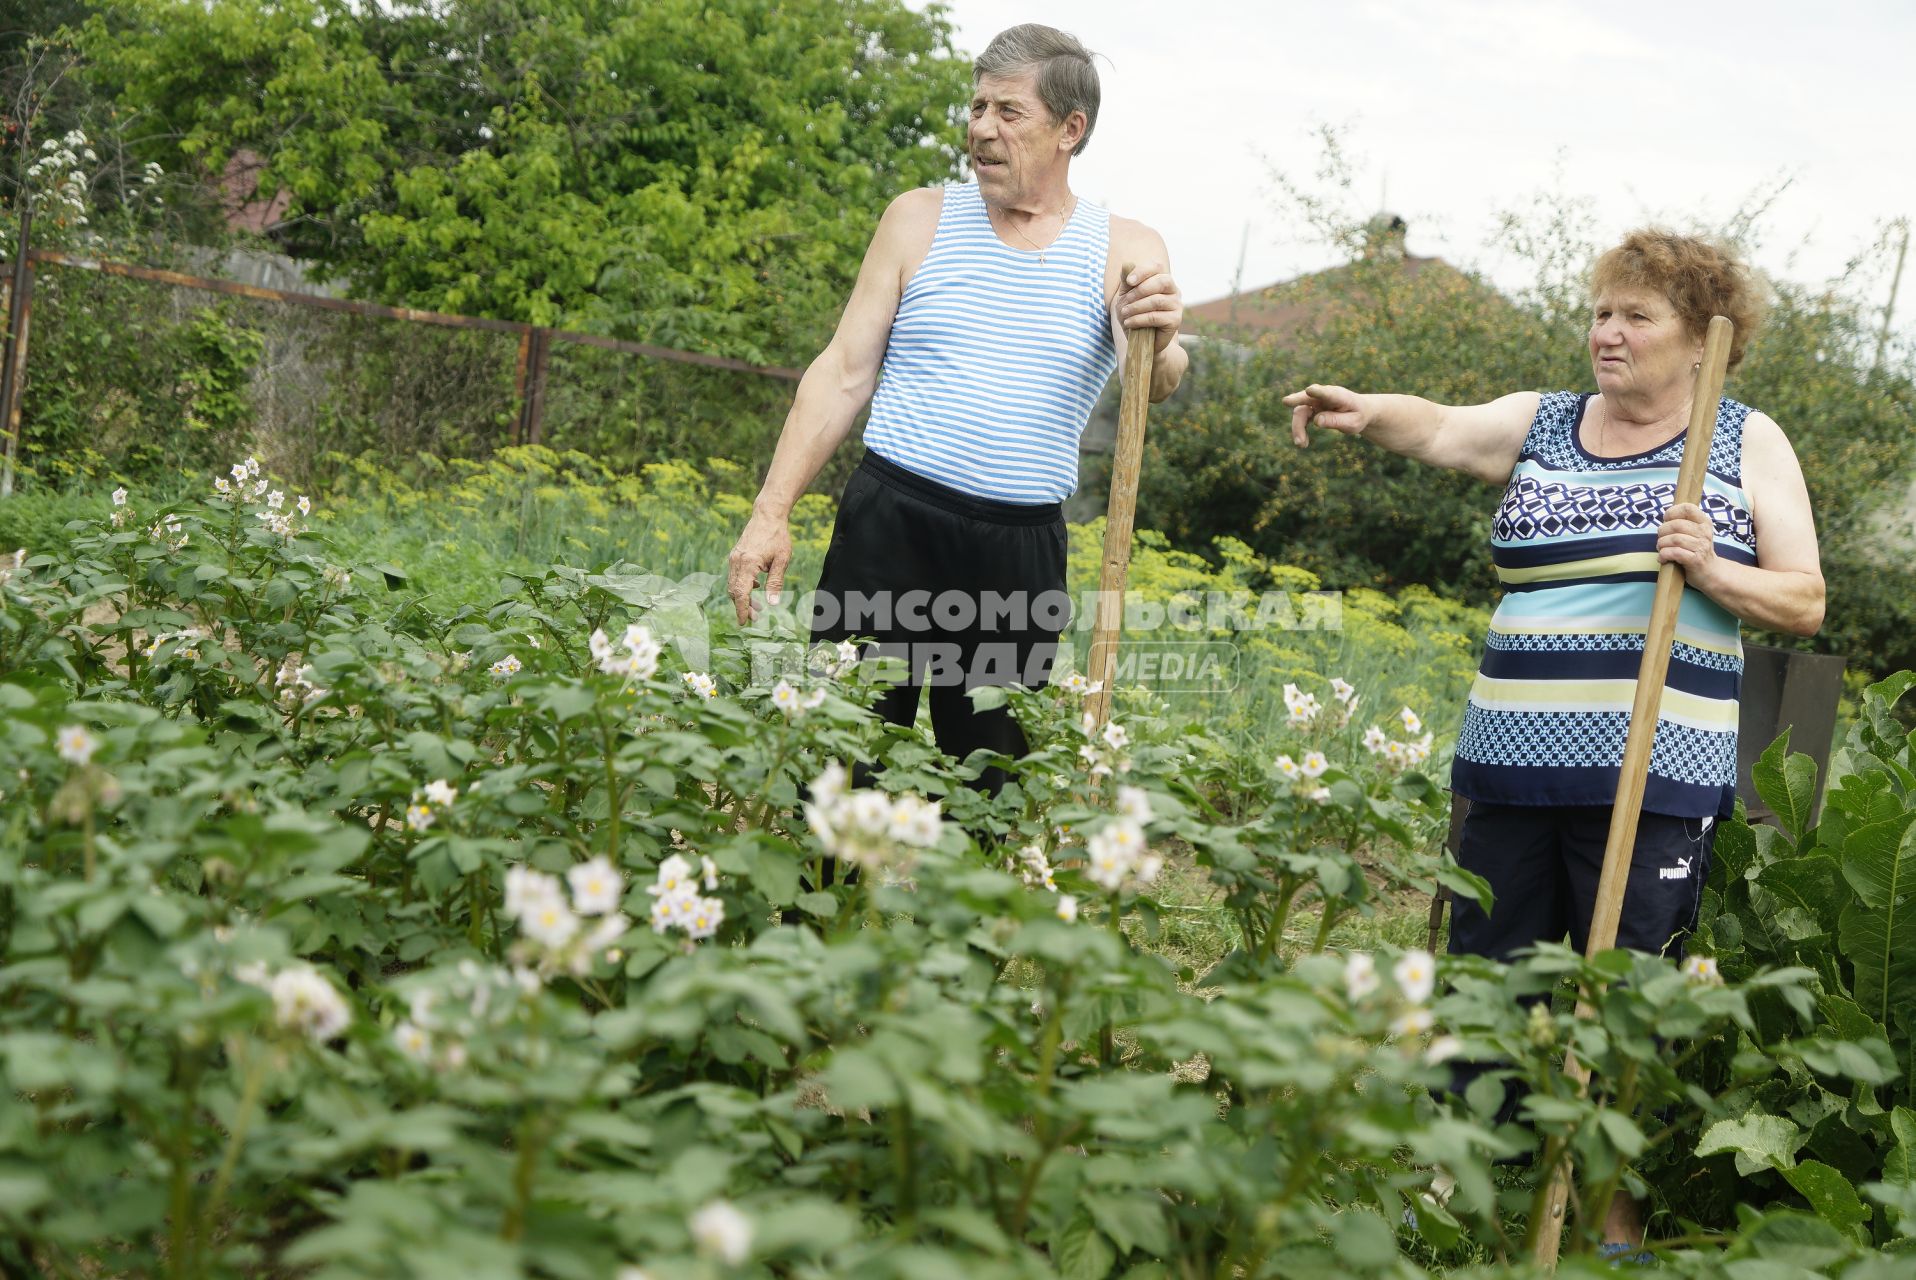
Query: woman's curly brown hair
pixel 1701 279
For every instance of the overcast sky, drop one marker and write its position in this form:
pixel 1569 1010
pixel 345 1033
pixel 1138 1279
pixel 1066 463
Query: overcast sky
pixel 1678 112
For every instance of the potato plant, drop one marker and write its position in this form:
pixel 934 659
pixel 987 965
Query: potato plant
pixel 344 937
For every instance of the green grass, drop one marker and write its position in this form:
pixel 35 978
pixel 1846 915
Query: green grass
pixel 1196 930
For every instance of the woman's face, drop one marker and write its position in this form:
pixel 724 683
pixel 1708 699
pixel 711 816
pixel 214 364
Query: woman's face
pixel 1638 344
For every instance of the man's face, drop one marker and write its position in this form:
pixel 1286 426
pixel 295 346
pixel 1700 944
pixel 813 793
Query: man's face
pixel 1013 138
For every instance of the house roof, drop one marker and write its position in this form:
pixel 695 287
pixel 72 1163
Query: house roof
pixel 1275 313
pixel 239 195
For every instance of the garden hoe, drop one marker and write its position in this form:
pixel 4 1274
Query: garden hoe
pixel 1546 1226
pixel 1134 403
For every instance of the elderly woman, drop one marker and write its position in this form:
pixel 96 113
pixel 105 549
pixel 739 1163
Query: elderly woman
pixel 1586 518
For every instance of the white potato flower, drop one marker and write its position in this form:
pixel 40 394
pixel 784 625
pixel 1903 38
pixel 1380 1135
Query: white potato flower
pixel 830 785
pixel 550 923
pixel 1702 969
pixel 306 1002
pixel 1034 868
pixel 1412 1022
pixel 414 1042
pixel 1113 853
pixel 1360 976
pixel 722 1232
pixel 596 887
pixel 869 811
pixel 1077 683
pixel 1416 975
pixel 527 889
pixel 639 640
pixel 916 821
pixel 1134 803
pixel 673 880
pixel 703 917
pixel 75 744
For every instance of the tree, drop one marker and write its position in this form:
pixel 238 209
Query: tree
pixel 678 172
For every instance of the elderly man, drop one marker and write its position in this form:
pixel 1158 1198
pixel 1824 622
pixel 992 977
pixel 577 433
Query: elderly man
pixel 987 317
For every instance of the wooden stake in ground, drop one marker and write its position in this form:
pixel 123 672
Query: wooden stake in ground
pixel 1546 1229
pixel 1134 403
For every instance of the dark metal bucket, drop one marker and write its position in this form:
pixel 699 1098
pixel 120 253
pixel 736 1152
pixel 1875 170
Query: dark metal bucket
pixel 1785 689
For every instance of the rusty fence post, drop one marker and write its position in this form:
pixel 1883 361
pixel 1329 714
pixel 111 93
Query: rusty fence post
pixel 534 348
pixel 519 387
pixel 13 361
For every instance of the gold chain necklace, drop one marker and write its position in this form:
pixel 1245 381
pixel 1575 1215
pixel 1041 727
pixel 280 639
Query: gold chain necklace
pixel 1062 221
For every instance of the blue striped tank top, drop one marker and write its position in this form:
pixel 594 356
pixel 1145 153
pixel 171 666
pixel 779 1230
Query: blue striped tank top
pixel 997 358
pixel 1574 543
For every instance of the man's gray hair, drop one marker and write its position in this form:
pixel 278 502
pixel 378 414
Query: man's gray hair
pixel 1067 80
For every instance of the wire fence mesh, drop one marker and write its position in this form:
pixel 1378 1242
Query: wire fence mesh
pixel 140 371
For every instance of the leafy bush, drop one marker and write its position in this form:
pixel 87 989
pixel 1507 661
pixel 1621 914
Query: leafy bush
pixel 695 177
pixel 93 398
pixel 1832 896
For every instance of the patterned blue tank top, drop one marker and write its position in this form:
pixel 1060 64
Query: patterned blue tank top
pixel 1574 543
pixel 997 358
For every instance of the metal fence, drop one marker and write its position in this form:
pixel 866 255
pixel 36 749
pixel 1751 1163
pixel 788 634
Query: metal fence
pixel 442 382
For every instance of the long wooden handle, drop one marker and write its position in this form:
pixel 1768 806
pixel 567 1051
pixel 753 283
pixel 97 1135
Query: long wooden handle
pixel 1655 668
pixel 1546 1232
pixel 1134 404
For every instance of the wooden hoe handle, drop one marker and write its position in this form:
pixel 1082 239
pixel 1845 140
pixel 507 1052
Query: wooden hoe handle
pixel 1134 404
pixel 1546 1232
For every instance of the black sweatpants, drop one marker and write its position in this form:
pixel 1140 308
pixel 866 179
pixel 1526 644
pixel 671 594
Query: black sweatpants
pixel 968 592
pixel 1543 864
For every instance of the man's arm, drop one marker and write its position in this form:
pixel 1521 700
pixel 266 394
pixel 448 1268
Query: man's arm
pixel 1147 298
pixel 835 387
